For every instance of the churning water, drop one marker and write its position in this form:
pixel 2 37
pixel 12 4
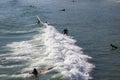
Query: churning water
pixel 92 26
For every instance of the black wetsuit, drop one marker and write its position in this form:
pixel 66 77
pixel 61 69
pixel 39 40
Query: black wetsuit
pixel 35 72
pixel 65 31
pixel 113 46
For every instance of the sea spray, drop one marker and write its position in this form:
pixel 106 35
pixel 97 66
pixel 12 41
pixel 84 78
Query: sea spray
pixel 49 48
pixel 68 58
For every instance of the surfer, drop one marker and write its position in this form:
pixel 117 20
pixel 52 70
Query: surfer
pixel 62 10
pixel 35 72
pixel 113 46
pixel 65 31
pixel 73 0
pixel 38 21
pixel 31 6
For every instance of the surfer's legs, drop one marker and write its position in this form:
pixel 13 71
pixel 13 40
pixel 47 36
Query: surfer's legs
pixel 51 68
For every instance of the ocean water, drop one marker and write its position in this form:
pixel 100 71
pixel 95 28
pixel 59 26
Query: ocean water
pixel 85 54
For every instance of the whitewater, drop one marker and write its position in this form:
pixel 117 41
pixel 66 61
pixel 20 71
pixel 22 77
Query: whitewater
pixel 45 49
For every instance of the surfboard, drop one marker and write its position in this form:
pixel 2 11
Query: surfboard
pixel 38 18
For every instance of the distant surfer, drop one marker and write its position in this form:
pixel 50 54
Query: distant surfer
pixel 38 20
pixel 62 10
pixel 31 6
pixel 65 31
pixel 35 72
pixel 113 46
pixel 73 0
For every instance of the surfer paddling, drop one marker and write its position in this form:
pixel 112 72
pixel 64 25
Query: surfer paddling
pixel 62 10
pixel 35 72
pixel 113 46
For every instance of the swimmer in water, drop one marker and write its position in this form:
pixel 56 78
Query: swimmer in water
pixel 113 46
pixel 35 72
pixel 62 10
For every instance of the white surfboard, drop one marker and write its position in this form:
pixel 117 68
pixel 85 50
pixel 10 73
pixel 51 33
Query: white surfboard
pixel 38 18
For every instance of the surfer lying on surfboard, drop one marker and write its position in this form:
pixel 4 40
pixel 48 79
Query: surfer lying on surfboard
pixel 113 46
pixel 35 72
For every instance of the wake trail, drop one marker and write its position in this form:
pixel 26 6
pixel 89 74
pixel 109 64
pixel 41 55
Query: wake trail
pixel 46 49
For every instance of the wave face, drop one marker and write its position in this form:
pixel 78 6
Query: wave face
pixel 48 48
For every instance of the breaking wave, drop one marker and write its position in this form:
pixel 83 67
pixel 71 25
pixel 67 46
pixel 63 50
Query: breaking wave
pixel 46 49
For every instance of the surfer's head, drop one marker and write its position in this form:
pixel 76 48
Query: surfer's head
pixel 35 72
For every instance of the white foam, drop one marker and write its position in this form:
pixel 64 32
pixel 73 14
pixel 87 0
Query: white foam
pixel 15 76
pixel 51 48
pixel 12 66
pixel 59 46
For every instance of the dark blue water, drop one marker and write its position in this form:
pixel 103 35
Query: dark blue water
pixel 95 24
